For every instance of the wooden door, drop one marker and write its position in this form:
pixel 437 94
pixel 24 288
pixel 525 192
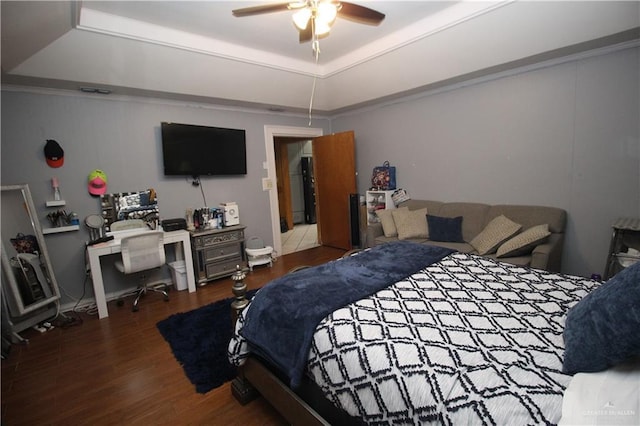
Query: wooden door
pixel 283 181
pixel 335 179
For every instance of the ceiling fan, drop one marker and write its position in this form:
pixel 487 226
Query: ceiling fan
pixel 313 18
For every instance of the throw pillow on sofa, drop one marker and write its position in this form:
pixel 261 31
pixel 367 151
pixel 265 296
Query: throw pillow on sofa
pixel 388 224
pixel 446 229
pixel 494 234
pixel 524 242
pixel 411 223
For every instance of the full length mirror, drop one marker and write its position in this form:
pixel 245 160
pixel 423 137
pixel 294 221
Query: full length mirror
pixel 28 280
pixel 130 205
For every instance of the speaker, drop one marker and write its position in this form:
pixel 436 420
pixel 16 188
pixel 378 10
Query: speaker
pixel 231 214
pixel 354 219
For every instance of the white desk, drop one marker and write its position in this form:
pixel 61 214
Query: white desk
pixel 180 238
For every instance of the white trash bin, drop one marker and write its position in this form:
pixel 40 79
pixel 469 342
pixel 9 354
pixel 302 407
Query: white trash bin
pixel 179 272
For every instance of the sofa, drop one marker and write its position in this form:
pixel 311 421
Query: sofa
pixel 519 234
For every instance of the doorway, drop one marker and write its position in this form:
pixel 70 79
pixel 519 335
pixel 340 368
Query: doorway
pixel 296 193
pixel 335 183
pixel 272 132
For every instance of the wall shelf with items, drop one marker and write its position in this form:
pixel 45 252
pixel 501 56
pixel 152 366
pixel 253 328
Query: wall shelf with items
pixel 58 229
pixel 378 200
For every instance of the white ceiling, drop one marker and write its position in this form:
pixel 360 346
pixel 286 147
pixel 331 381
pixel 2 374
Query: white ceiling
pixel 196 50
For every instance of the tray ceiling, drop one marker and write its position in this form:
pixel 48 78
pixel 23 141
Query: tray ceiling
pixel 198 51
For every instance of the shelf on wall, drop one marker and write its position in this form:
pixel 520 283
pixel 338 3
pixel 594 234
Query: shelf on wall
pixel 60 229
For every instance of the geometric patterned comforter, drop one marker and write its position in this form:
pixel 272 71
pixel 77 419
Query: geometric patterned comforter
pixel 465 341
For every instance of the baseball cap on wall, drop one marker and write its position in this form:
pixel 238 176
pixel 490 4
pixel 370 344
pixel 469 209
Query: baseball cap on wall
pixel 54 153
pixel 97 182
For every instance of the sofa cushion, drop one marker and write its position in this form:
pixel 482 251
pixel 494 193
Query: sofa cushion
pixel 388 224
pixel 448 229
pixel 529 216
pixel 382 239
pixel 524 242
pixel 473 214
pixel 432 206
pixel 602 329
pixel 411 223
pixel 461 247
pixel 495 233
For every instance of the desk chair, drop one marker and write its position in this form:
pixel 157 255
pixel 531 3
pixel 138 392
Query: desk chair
pixel 142 252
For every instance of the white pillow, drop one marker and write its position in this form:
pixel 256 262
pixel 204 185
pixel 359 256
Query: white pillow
pixel 411 223
pixel 494 234
pixel 387 222
pixel 607 397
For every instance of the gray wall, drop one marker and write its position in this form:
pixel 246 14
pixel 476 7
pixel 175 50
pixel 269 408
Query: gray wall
pixel 566 135
pixel 122 137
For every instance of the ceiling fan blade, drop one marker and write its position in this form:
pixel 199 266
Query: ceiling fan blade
pixel 257 10
pixel 307 33
pixel 360 14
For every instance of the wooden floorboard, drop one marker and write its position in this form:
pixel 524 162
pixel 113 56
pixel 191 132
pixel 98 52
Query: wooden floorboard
pixel 119 370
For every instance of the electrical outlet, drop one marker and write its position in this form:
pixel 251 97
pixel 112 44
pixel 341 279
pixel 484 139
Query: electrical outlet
pixel 267 184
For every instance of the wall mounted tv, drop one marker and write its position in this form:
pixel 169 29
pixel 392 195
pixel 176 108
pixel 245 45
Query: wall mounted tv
pixel 193 150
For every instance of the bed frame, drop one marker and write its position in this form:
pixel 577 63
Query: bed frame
pixel 255 378
pixel 305 406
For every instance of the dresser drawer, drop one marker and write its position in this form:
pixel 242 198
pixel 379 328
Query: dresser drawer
pixel 226 267
pixel 204 241
pixel 221 252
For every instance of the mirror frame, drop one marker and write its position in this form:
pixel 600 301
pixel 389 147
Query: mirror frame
pixel 8 276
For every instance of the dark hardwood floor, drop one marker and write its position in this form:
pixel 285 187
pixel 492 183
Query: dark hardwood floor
pixel 119 370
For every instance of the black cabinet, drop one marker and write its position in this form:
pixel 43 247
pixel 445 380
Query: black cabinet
pixel 308 186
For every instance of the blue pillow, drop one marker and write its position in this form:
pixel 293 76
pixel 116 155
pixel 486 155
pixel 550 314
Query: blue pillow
pixel 446 229
pixel 603 329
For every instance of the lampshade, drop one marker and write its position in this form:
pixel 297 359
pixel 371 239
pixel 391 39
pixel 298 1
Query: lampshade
pixel 323 14
pixel 321 28
pixel 326 13
pixel 301 18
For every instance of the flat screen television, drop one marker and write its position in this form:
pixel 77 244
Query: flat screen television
pixel 194 150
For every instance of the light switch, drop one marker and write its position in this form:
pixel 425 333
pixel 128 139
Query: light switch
pixel 267 184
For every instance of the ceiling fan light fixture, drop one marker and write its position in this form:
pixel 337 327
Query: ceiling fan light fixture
pixel 326 13
pixel 301 18
pixel 321 28
pixel 322 13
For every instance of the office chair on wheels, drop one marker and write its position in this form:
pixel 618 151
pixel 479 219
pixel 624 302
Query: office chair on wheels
pixel 142 252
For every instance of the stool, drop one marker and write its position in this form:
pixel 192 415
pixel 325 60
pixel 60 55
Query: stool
pixel 258 253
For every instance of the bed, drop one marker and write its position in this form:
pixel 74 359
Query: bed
pixel 445 338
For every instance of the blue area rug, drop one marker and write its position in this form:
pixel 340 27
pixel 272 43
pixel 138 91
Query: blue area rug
pixel 199 341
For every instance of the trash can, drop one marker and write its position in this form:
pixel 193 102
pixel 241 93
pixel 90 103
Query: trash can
pixel 179 272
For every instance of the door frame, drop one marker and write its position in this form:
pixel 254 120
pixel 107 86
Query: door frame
pixel 270 132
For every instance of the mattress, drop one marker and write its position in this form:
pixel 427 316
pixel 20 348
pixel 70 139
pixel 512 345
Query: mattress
pixel 467 340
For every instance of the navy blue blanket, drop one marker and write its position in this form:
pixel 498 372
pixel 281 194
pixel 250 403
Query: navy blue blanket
pixel 284 314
